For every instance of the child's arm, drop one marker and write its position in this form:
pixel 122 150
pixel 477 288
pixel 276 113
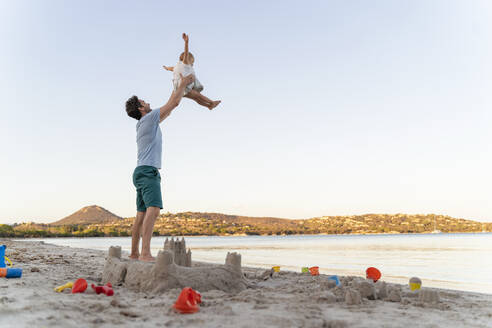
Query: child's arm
pixel 168 68
pixel 186 39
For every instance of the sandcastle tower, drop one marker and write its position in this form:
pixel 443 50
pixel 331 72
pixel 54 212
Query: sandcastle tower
pixel 178 248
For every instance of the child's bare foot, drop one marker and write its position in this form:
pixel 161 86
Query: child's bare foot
pixel 214 104
pixel 147 258
pixel 134 257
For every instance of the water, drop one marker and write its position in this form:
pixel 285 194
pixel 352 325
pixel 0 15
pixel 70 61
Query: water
pixel 454 261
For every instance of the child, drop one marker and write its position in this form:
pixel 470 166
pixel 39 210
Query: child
pixel 185 67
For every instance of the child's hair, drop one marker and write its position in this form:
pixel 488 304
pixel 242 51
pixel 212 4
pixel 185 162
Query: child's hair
pixel 190 56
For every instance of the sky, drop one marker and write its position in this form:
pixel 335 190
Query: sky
pixel 328 107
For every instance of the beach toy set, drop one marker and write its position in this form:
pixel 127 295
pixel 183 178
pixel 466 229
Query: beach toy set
pixel 80 285
pixel 374 274
pixel 188 301
pixel 314 271
pixel 7 272
pixel 276 268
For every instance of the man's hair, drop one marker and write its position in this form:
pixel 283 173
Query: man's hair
pixel 132 106
pixel 190 56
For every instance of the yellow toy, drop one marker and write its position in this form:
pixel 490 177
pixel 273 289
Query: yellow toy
pixel 276 268
pixel 61 288
pixel 415 283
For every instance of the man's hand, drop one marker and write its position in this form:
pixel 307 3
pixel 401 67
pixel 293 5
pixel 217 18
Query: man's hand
pixel 186 37
pixel 176 96
pixel 185 80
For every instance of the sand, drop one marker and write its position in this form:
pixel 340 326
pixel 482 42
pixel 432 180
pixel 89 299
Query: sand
pixel 284 299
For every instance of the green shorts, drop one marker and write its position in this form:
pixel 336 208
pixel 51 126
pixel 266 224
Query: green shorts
pixel 147 180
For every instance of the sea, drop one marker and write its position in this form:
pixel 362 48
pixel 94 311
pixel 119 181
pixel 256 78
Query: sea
pixel 451 261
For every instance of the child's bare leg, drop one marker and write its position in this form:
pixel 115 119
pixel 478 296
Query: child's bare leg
pixel 202 100
pixel 195 95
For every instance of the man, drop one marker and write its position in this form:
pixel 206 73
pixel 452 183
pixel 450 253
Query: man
pixel 146 177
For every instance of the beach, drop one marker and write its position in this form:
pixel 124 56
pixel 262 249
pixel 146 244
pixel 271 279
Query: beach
pixel 435 258
pixel 283 299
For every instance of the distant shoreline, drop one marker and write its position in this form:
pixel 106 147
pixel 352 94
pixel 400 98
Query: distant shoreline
pixel 265 235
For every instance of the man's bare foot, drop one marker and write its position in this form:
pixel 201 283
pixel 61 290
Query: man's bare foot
pixel 134 257
pixel 147 258
pixel 214 104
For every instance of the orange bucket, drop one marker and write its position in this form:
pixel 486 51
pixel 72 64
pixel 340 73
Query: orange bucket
pixel 188 301
pixel 314 271
pixel 373 274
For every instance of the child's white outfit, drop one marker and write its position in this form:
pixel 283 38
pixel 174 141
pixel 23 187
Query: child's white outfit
pixel 185 70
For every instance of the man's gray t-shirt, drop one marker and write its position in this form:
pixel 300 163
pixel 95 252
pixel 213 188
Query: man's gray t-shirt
pixel 149 140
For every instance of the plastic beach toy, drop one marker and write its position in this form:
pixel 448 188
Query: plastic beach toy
pixel 2 256
pixel 10 273
pixel 373 274
pixel 79 286
pixel 106 289
pixel 61 288
pixel 276 268
pixel 8 260
pixel 314 271
pixel 305 270
pixel 7 272
pixel 415 283
pixel 335 278
pixel 188 301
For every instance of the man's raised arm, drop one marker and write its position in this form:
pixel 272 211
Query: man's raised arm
pixel 176 97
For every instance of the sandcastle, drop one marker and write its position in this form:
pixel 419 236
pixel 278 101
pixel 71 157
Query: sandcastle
pixel 173 269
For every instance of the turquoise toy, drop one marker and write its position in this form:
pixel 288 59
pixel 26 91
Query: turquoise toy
pixel 335 278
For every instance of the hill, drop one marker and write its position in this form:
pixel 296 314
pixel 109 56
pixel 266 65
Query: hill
pixel 194 223
pixel 88 215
